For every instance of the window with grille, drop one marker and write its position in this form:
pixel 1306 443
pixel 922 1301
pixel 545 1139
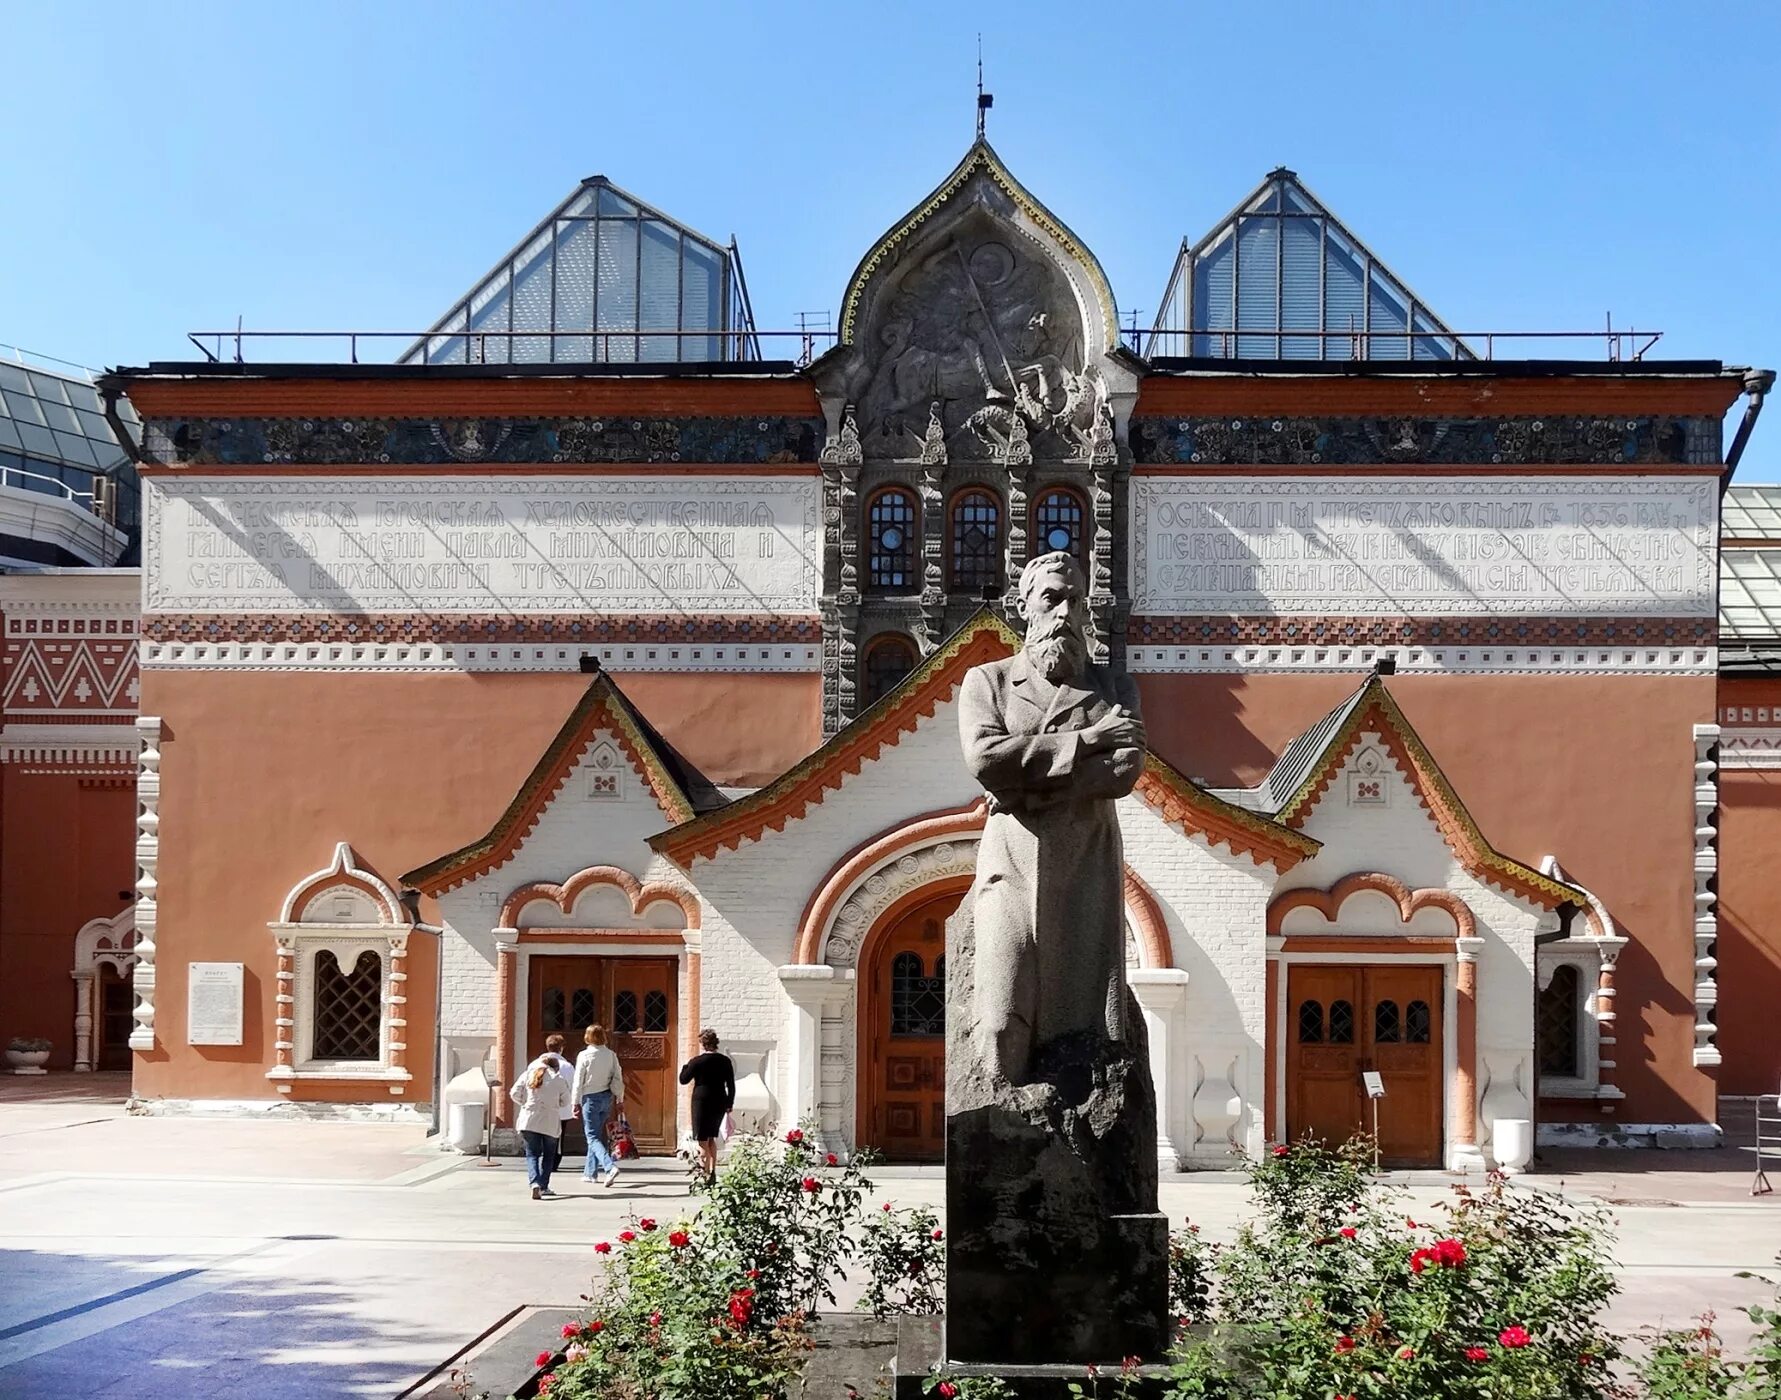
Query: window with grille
pixel 1418 1023
pixel 1341 1023
pixel 1558 1022
pixel 655 1013
pixel 1057 523
pixel 890 530
pixel 348 1008
pixel 1310 1023
pixel 624 1013
pixel 888 660
pixel 550 1009
pixel 976 543
pixel 581 1007
pixel 918 1002
pixel 1387 1028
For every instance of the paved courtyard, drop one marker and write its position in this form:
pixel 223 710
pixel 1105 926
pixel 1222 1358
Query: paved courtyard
pixel 189 1258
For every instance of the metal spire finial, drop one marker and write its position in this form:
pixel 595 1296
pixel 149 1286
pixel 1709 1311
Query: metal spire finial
pixel 985 100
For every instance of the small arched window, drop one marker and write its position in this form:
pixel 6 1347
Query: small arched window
pixel 888 660
pixel 1310 1023
pixel 1558 1022
pixel 1341 1023
pixel 624 1012
pixel 1057 523
pixel 655 1013
pixel 1387 1029
pixel 1418 1023
pixel 891 528
pixel 976 543
pixel 348 1008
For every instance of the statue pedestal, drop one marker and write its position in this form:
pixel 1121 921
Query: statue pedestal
pixel 921 1345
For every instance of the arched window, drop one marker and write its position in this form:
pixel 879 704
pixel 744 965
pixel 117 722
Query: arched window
pixel 1387 1030
pixel 1310 1023
pixel 1418 1023
pixel 918 1003
pixel 1341 1023
pixel 1057 523
pixel 888 660
pixel 891 522
pixel 655 1013
pixel 976 543
pixel 624 1012
pixel 1558 1022
pixel 348 1008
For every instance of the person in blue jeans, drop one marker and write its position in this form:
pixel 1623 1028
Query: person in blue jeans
pixel 540 1097
pixel 599 1088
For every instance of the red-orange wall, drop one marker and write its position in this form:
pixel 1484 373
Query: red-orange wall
pixel 1596 770
pixel 262 773
pixel 67 855
pixel 1749 912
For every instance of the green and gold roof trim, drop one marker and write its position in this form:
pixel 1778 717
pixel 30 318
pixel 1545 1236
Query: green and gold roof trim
pixel 980 159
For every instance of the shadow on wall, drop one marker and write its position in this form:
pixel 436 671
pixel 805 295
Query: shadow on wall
pixel 261 1336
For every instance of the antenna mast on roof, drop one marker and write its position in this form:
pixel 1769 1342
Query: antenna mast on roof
pixel 985 100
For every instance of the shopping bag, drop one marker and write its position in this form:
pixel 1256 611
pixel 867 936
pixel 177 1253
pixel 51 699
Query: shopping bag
pixel 619 1130
pixel 727 1128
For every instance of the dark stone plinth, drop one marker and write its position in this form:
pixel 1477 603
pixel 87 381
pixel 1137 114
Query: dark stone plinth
pixel 1056 1252
pixel 921 1346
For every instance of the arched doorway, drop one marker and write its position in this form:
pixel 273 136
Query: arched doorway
pixel 104 1001
pixel 902 1030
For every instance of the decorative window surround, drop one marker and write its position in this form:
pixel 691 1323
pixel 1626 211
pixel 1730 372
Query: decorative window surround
pixel 1594 956
pixel 148 848
pixel 346 910
pixel 100 942
pixel 1706 893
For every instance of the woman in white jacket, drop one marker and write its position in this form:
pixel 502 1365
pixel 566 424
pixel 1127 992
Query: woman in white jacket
pixel 543 1101
pixel 600 1091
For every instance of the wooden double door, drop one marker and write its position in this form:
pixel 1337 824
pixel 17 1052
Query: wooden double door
pixel 634 998
pixel 1342 1020
pixel 902 1035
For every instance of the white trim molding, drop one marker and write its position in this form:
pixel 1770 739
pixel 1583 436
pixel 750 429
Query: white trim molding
pixel 1706 894
pixel 148 855
pixel 454 656
pixel 1749 745
pixel 1428 660
pixel 98 749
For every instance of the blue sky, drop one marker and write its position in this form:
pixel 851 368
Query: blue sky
pixel 322 165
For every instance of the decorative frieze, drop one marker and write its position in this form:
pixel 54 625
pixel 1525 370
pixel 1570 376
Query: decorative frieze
pixel 389 656
pixel 739 440
pixel 1706 893
pixel 1334 629
pixel 1476 660
pixel 1556 440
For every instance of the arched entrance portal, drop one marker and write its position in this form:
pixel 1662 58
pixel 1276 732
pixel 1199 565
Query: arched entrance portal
pixel 902 1032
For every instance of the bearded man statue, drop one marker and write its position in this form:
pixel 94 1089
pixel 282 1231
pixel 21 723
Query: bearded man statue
pixel 1055 740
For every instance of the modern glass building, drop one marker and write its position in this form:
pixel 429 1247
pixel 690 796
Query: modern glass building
pixel 1281 278
pixel 604 278
pixel 55 441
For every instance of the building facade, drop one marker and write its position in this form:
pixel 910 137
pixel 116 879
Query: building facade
pixel 487 695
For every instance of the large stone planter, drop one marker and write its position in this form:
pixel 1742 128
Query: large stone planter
pixel 27 1061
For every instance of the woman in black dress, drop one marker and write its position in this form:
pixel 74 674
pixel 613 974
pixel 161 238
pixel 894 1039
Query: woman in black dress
pixel 713 1078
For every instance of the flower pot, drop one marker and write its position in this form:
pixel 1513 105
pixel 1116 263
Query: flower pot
pixel 27 1061
pixel 1512 1143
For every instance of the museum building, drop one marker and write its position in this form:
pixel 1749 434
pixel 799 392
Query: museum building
pixel 585 664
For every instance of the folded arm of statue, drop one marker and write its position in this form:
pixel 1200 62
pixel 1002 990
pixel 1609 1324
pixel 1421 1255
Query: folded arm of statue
pixel 1111 774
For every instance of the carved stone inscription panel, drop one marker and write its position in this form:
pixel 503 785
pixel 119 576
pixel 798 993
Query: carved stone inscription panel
pixel 469 544
pixel 1440 546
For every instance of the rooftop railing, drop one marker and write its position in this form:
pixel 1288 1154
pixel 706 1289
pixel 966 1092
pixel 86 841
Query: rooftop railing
pixel 801 346
pixel 22 479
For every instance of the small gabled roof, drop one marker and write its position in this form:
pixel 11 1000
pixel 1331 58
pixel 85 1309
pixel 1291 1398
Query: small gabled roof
pixel 680 790
pixel 1312 761
pixel 985 637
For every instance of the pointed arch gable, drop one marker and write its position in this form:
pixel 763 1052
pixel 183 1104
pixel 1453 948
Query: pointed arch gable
pixel 343 872
pixel 1329 902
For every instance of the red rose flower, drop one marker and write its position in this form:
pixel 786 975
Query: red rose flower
pixel 1477 1354
pixel 546 1381
pixel 753 1274
pixel 680 1239
pixel 1450 1253
pixel 832 1160
pixel 626 1236
pixel 542 1359
pixel 1421 1259
pixel 1406 1353
pixel 946 1390
pixel 596 1326
pixel 1348 1232
pixel 646 1224
pixel 655 1319
pixel 1514 1337
pixel 939 1234
pixel 742 1306
pixel 795 1136
pixel 570 1329
pixel 1344 1345
pixel 603 1248
pixel 885 1206
pixel 1282 1150
pixel 812 1185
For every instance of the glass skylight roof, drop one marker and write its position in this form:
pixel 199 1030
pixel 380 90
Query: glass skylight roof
pixel 54 437
pixel 614 279
pixel 1751 513
pixel 1282 279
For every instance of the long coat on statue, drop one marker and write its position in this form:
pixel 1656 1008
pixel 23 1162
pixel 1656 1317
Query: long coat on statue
pixel 1048 904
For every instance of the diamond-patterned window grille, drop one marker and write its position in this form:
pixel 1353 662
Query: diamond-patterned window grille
pixel 918 1002
pixel 1387 1029
pixel 348 1008
pixel 976 543
pixel 581 1007
pixel 1341 1023
pixel 1558 1023
pixel 1310 1023
pixel 624 1013
pixel 655 1013
pixel 550 1010
pixel 1418 1023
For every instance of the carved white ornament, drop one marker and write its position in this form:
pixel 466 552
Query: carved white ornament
pixel 884 886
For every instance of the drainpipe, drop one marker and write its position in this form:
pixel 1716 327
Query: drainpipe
pixel 1757 383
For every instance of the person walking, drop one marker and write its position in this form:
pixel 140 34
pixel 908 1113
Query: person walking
pixel 553 1046
pixel 600 1091
pixel 713 1078
pixel 540 1096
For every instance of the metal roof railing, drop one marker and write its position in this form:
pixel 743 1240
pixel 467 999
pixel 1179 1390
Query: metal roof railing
pixel 1627 345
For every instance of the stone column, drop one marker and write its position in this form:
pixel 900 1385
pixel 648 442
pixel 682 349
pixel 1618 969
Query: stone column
pixel 148 848
pixel 506 974
pixel 1463 1154
pixel 808 987
pixel 396 1002
pixel 83 1017
pixel 1607 1092
pixel 1162 996
pixel 1274 1038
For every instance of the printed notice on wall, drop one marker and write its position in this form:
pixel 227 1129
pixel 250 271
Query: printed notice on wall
pixel 451 544
pixel 1430 547
pixel 213 1003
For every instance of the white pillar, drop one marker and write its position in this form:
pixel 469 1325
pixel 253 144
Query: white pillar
pixel 811 990
pixel 1162 996
pixel 83 1018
